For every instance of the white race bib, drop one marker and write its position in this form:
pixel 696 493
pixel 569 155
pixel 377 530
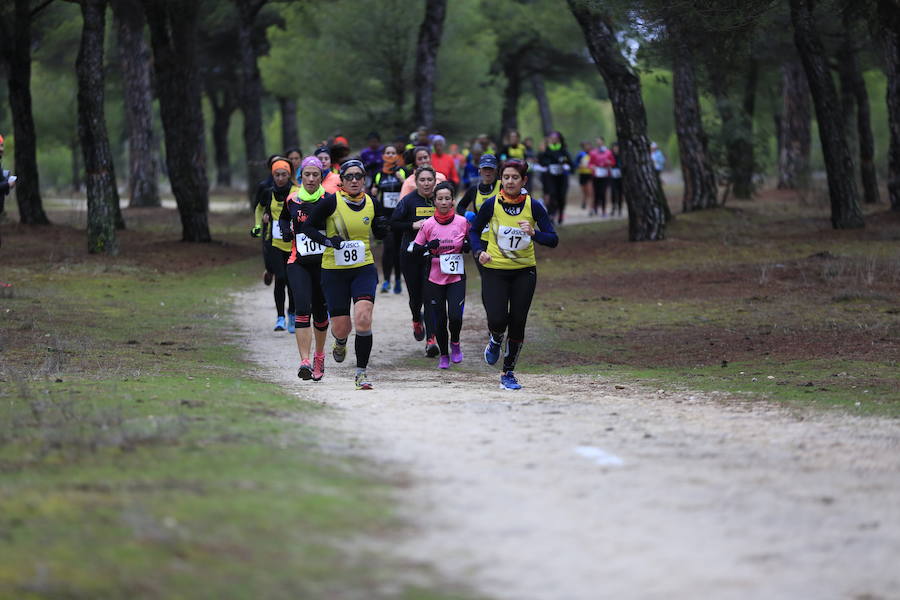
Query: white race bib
pixel 307 247
pixel 617 173
pixel 276 230
pixel 601 172
pixel 352 252
pixel 512 239
pixel 452 264
pixel 556 169
pixel 391 199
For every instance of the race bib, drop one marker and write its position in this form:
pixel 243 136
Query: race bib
pixel 425 211
pixel 556 169
pixel 276 230
pixel 352 252
pixel 617 173
pixel 601 172
pixel 391 199
pixel 452 264
pixel 512 239
pixel 307 247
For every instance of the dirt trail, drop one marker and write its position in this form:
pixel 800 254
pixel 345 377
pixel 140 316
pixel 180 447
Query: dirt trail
pixel 573 489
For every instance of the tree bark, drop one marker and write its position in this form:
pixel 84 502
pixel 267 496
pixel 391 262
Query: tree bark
pixel 290 135
pixel 641 186
pixel 15 43
pixel 102 196
pixel 696 166
pixel 134 56
pixel 173 34
pixel 509 118
pixel 540 94
pixel 250 95
pixel 845 211
pixel 889 20
pixel 740 152
pixel 426 61
pixel 222 110
pixel 75 147
pixel 795 138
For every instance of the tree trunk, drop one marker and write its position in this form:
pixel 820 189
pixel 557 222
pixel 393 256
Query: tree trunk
pixel 426 61
pixel 250 95
pixel 134 56
pixel 540 94
pixel 173 34
pixel 741 151
pixel 696 167
pixel 509 118
pixel 795 138
pixel 889 20
pixel 222 111
pixel 102 196
pixel 15 43
pixel 845 211
pixel 290 135
pixel 75 147
pixel 641 186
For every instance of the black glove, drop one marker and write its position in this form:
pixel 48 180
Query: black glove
pixel 286 235
pixel 336 241
pixel 433 244
pixel 466 246
pixel 380 227
pixel 256 231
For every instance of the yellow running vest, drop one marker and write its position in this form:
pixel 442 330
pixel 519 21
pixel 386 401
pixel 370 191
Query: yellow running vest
pixel 508 246
pixel 274 226
pixel 352 225
pixel 479 200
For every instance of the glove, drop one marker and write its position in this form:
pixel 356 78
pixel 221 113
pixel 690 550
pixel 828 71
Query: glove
pixel 433 244
pixel 256 231
pixel 466 246
pixel 380 227
pixel 336 241
pixel 286 235
pixel 470 216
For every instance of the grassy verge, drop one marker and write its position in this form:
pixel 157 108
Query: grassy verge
pixel 138 457
pixel 758 300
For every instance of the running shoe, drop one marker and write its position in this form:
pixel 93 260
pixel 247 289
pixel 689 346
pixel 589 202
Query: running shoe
pixel 267 278
pixel 431 348
pixel 279 324
pixel 291 323
pixel 362 382
pixel 385 287
pixel 444 363
pixel 398 289
pixel 491 352
pixel 305 371
pixel 318 366
pixel 418 331
pixel 339 351
pixel 456 354
pixel 508 382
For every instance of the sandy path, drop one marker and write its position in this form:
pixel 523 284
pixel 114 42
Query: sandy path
pixel 574 489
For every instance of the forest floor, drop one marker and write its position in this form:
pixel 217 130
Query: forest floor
pixel 713 415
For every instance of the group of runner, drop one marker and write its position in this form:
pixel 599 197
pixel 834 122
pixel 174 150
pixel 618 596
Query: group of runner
pixel 317 217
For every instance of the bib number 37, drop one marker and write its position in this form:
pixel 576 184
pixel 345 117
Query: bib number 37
pixel 351 253
pixel 512 239
pixel 452 264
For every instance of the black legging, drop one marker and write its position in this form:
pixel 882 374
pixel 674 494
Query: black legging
pixel 414 274
pixel 507 296
pixel 447 304
pixel 615 187
pixel 557 187
pixel 276 261
pixel 390 256
pixel 306 288
pixel 600 184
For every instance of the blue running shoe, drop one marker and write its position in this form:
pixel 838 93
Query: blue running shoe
pixel 492 352
pixel 385 287
pixel 508 382
pixel 279 324
pixel 398 289
pixel 291 324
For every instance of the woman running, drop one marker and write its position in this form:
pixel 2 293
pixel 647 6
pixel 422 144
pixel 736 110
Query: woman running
pixel 348 269
pixel 555 158
pixel 331 181
pixel 585 174
pixel 421 158
pixel 385 190
pixel 295 157
pixel 276 250
pixel 408 218
pixel 509 275
pixel 615 181
pixel 443 236
pixel 304 269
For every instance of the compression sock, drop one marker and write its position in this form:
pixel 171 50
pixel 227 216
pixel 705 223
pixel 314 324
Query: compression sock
pixel 363 345
pixel 340 341
pixel 513 347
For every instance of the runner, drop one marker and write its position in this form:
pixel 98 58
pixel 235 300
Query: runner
pixel 421 157
pixel 295 157
pixel 408 218
pixel 386 191
pixel 260 197
pixel 602 160
pixel 331 181
pixel 509 275
pixel 348 269
pixel 444 237
pixel 443 163
pixel 556 160
pixel 615 181
pixel 304 269
pixel 585 174
pixel 276 250
pixel 514 149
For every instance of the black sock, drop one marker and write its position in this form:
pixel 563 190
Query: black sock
pixel 513 347
pixel 363 345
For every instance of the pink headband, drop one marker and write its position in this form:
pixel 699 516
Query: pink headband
pixel 310 161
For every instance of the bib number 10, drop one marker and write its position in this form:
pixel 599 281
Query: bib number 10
pixel 452 264
pixel 351 252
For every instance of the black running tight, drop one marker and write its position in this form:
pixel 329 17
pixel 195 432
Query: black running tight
pixel 414 274
pixel 390 256
pixel 447 305
pixel 507 295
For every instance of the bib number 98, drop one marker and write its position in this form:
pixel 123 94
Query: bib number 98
pixel 351 252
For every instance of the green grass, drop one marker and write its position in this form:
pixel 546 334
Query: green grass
pixel 139 459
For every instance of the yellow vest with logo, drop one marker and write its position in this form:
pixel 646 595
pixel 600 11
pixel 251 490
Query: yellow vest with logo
pixel 500 222
pixel 479 200
pixel 351 225
pixel 275 208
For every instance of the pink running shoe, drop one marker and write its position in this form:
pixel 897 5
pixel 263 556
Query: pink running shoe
pixel 318 366
pixel 444 363
pixel 305 371
pixel 456 354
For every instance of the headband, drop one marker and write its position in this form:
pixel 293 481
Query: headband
pixel 352 163
pixel 281 164
pixel 311 161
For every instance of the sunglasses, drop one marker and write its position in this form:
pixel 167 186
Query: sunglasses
pixel 353 176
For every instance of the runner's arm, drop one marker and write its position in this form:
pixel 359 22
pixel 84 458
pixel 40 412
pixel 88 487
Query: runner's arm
pixel 547 235
pixel 467 199
pixel 400 220
pixel 319 214
pixel 481 220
